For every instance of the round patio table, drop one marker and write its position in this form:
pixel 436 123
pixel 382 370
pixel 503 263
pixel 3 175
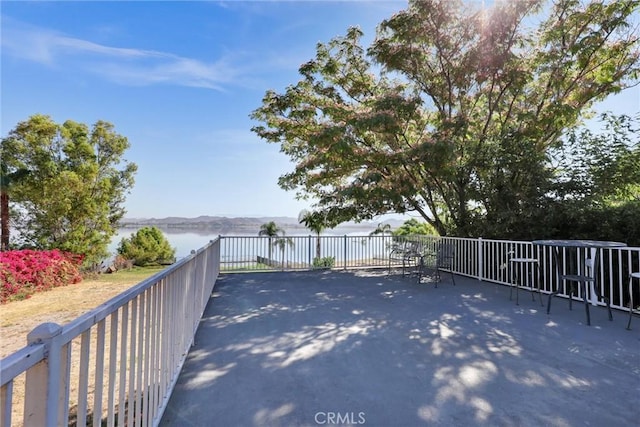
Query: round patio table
pixel 577 272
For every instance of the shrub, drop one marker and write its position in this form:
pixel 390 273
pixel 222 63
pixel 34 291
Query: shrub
pixel 147 246
pixel 326 262
pixel 25 272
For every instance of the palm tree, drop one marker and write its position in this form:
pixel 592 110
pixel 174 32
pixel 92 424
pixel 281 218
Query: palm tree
pixel 315 222
pixel 382 228
pixel 271 230
pixel 282 243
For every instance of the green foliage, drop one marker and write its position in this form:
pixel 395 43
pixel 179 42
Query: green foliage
pixel 452 112
pixel 382 228
pixel 413 227
pixel 316 222
pixel 271 230
pixel 69 184
pixel 594 192
pixel 601 169
pixel 147 246
pixel 324 262
pixel 620 222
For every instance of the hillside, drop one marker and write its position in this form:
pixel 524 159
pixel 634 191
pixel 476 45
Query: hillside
pixel 223 224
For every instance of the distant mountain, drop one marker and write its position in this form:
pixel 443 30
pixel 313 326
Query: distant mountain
pixel 206 222
pixel 225 224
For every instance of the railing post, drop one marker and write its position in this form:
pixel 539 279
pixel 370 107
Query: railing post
pixel 344 262
pixel 194 295
pixel 480 259
pixel 46 385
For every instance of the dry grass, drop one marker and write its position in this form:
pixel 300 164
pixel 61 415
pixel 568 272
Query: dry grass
pixel 61 305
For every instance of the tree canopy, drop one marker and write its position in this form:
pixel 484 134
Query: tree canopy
pixel 413 227
pixel 452 112
pixel 72 184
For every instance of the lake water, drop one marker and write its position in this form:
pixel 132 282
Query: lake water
pixel 185 241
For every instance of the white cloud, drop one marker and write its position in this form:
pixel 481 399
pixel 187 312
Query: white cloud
pixel 128 66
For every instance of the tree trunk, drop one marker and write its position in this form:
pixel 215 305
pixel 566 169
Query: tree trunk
pixel 4 221
pixel 318 246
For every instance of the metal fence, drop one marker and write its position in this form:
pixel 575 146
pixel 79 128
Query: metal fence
pixel 302 252
pixel 117 364
pixel 483 259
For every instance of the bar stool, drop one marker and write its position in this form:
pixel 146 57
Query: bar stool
pixel 631 277
pixel 581 281
pixel 530 264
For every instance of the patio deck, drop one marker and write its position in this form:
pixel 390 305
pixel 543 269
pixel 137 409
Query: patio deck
pixel 363 347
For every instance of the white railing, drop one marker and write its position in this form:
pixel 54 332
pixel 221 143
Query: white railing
pixel 127 353
pixel 118 363
pixel 483 259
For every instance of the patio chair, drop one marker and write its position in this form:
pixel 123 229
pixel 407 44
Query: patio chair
pixel 445 256
pixel 397 253
pixel 427 259
pixel 581 281
pixel 631 307
pixel 407 252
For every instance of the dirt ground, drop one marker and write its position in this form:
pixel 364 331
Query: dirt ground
pixel 59 305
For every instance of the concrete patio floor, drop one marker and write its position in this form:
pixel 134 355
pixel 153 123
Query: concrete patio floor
pixel 362 347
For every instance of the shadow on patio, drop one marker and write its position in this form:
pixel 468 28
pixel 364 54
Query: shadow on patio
pixel 362 347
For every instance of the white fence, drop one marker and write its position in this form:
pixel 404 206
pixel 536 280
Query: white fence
pixel 125 355
pixel 483 259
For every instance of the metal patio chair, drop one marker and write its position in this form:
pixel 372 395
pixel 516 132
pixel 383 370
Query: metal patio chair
pixel 445 257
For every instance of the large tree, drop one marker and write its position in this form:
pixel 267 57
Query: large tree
pixel 73 187
pixel 452 111
pixel 596 193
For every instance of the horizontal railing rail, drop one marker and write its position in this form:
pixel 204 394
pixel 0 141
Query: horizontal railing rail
pixel 117 364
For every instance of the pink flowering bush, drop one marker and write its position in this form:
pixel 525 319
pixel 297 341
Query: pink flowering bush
pixel 25 272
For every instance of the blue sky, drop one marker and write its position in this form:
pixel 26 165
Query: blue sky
pixel 179 80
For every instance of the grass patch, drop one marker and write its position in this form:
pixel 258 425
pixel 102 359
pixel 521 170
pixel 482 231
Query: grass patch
pixel 61 305
pixel 64 303
pixel 128 276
